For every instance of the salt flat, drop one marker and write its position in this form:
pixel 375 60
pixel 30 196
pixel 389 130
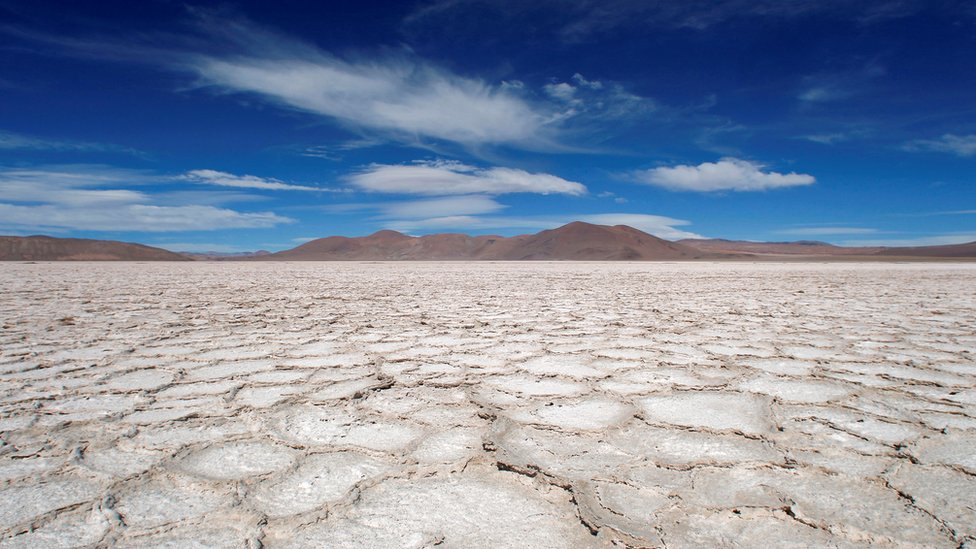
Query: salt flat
pixel 487 405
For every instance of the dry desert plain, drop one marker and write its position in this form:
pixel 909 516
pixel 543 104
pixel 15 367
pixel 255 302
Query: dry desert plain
pixel 487 405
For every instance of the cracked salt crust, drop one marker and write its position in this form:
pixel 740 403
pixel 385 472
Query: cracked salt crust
pixel 67 530
pixel 319 480
pixel 460 404
pixel 712 410
pixel 237 460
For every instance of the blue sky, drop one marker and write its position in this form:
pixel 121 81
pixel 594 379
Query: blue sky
pixel 244 126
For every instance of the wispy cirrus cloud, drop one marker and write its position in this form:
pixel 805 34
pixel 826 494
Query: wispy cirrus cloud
pixel 826 138
pixel 440 207
pixel 583 20
pixel 87 197
pixel 20 142
pixel 395 94
pixel 398 95
pixel 597 99
pixel 438 178
pixel 401 97
pixel 728 174
pixel 829 87
pixel 73 185
pixel 959 145
pixel 133 217
pixel 827 231
pixel 824 94
pixel 956 212
pixel 934 240
pixel 380 96
pixel 335 152
pixel 224 179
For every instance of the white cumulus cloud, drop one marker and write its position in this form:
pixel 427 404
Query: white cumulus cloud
pixel 728 174
pixel 454 178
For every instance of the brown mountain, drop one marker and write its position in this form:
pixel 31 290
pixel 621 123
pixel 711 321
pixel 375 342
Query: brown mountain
pixel 587 242
pixel 575 241
pixel 46 248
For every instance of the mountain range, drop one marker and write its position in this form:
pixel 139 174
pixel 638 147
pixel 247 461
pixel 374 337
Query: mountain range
pixel 575 241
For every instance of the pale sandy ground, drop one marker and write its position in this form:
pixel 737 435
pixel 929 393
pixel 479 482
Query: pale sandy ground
pixel 487 405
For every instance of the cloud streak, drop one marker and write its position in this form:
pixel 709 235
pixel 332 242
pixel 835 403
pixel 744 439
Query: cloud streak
pixel 19 142
pixel 827 231
pixel 224 179
pixel 72 185
pixel 583 20
pixel 597 100
pixel 133 217
pixel 398 95
pixel 440 207
pixel 390 95
pixel 410 100
pixel 441 178
pixel 76 198
pixel 728 174
pixel 936 240
pixel 826 138
pixel 959 145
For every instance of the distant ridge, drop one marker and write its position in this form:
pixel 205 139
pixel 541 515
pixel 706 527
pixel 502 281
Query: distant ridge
pixel 576 241
pixel 822 250
pixel 46 248
pixel 798 247
pixel 202 256
pixel 948 250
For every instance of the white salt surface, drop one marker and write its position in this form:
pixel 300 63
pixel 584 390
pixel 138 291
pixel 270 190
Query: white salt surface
pixel 487 405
